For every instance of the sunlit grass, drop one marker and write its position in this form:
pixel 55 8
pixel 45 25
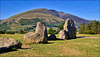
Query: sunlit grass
pixel 92 35
pixel 15 36
pixel 80 47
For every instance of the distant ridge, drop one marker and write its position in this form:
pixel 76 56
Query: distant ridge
pixel 1 20
pixel 66 16
pixel 31 17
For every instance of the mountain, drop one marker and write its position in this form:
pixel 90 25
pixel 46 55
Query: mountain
pixel 30 18
pixel 41 14
pixel 65 16
pixel 1 20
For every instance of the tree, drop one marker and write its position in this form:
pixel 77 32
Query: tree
pixel 87 26
pixel 98 28
pixel 2 32
pixel 21 31
pixel 92 28
pixel 60 27
pixel 88 32
pixel 10 32
pixel 95 26
pixel 82 28
pixel 50 31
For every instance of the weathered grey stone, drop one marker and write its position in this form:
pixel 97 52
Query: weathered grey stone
pixel 63 34
pixel 52 37
pixel 40 36
pixel 32 37
pixel 69 26
pixel 42 30
pixel 9 43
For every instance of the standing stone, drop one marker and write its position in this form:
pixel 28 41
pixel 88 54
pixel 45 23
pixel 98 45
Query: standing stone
pixel 42 30
pixel 40 36
pixel 63 34
pixel 69 26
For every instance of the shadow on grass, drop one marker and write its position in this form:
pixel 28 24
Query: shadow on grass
pixel 80 37
pixel 10 50
pixel 25 48
pixel 6 50
pixel 54 39
pixel 49 43
pixel 63 39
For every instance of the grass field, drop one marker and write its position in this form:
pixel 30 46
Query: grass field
pixel 89 35
pixel 80 47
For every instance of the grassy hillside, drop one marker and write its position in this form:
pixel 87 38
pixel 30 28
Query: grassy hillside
pixel 80 47
pixel 30 17
pixel 1 20
pixel 49 17
pixel 41 13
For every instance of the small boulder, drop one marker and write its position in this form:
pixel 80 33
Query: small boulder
pixel 9 43
pixel 63 34
pixel 69 26
pixel 52 37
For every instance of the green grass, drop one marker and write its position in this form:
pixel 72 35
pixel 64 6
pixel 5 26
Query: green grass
pixel 15 36
pixel 80 47
pixel 89 35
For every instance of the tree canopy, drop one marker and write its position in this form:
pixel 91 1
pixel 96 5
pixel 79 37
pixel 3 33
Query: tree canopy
pixel 92 28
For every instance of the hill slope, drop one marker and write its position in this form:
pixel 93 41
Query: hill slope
pixel 1 20
pixel 35 14
pixel 65 16
pixel 31 17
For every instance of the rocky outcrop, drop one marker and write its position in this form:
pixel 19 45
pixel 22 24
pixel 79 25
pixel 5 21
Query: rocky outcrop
pixel 40 36
pixel 9 43
pixel 69 26
pixel 63 34
pixel 52 37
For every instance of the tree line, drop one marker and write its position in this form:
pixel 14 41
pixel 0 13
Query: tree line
pixel 90 28
pixel 13 32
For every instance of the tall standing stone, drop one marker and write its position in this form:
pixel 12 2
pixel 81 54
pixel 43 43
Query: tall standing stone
pixel 42 30
pixel 40 36
pixel 69 26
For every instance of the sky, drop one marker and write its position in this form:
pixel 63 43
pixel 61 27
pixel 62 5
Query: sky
pixel 85 9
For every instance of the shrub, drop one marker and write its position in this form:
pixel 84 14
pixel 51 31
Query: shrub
pixel 60 27
pixel 50 31
pixel 88 32
pixel 21 31
pixel 55 32
pixel 1 32
pixel 10 32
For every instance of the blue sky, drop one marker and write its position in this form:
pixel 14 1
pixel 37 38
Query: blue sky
pixel 84 9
